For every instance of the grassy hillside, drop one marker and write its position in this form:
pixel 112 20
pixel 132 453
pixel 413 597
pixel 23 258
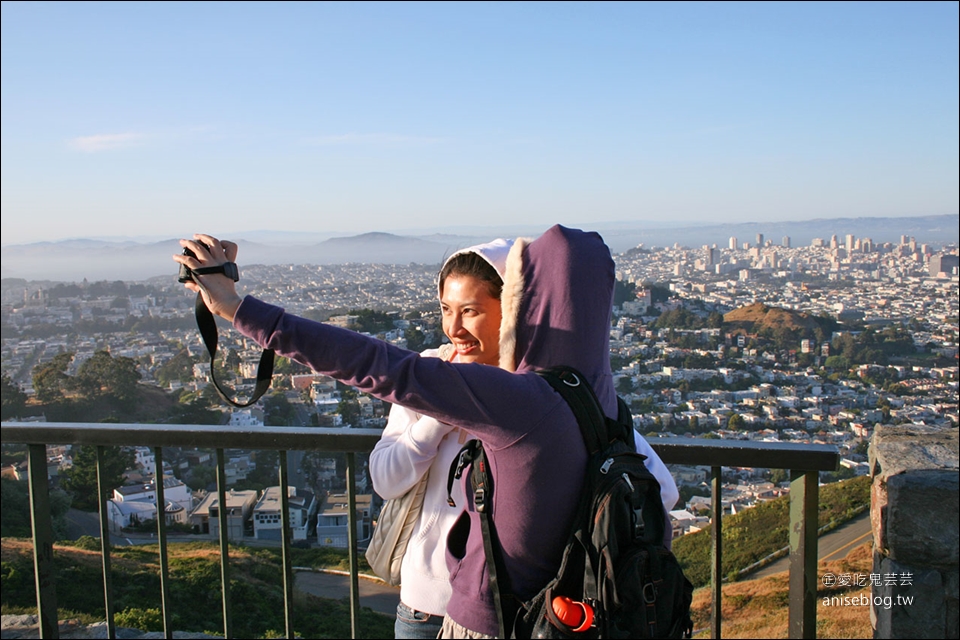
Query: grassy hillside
pixel 759 608
pixel 756 533
pixel 256 589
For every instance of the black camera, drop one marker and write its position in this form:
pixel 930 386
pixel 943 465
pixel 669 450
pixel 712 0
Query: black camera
pixel 186 273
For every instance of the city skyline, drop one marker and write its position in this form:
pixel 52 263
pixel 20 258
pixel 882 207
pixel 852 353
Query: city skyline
pixel 155 120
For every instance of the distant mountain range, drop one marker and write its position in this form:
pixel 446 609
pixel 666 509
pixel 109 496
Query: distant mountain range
pixel 105 259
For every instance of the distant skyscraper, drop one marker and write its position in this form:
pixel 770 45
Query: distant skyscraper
pixel 944 263
pixel 849 243
pixel 786 241
pixel 834 243
pixel 760 240
pixel 733 243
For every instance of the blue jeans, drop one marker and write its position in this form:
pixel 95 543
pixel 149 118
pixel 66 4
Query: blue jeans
pixel 416 625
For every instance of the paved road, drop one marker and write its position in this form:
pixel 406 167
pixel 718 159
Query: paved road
pixel 82 523
pixel 374 594
pixel 831 546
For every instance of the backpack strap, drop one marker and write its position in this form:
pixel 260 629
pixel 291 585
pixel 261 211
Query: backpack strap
pixel 481 482
pixel 594 425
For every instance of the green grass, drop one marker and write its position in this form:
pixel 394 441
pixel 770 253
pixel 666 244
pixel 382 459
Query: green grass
pixel 758 532
pixel 256 590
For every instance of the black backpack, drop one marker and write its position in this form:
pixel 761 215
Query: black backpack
pixel 616 578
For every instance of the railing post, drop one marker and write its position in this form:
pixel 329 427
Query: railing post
pixel 716 565
pixel 162 544
pixel 804 500
pixel 286 533
pixel 105 544
pixel 352 545
pixel 222 518
pixel 43 542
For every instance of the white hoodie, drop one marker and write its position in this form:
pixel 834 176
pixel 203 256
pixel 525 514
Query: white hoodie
pixel 411 445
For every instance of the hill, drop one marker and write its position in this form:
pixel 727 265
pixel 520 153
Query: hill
pixel 760 318
pixel 256 590
pixel 756 533
pixel 759 608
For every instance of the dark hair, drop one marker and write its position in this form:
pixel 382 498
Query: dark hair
pixel 471 264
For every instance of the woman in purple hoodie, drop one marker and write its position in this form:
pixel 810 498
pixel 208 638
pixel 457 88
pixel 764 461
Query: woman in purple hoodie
pixel 557 301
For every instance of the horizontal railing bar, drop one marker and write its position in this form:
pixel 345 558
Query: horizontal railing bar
pixel 746 453
pixel 202 436
pixel 691 451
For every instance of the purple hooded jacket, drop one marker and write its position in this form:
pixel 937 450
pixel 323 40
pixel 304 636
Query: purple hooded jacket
pixel 557 299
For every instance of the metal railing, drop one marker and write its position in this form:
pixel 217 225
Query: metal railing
pixel 804 462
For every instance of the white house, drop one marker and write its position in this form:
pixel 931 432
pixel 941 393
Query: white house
pixel 173 491
pixel 124 514
pixel 206 517
pixel 244 418
pixel 145 459
pixel 332 520
pixel 267 524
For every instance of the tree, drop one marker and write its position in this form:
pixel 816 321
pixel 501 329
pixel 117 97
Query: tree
pixel 50 380
pixel 81 478
pixel 277 410
pixel 196 410
pixel 371 321
pixel 103 376
pixel 837 362
pixel 16 510
pixel 201 477
pixel 416 340
pixel 179 368
pixel 286 366
pixel 778 475
pixel 14 400
pixel 736 422
pixel 623 292
pixel 625 385
pixel 266 473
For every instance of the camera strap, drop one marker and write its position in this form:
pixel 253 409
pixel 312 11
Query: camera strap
pixel 208 331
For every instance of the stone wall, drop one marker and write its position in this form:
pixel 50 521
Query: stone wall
pixel 915 513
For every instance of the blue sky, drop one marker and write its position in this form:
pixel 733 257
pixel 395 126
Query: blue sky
pixel 157 120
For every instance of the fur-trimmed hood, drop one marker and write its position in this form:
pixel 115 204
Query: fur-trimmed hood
pixel 557 302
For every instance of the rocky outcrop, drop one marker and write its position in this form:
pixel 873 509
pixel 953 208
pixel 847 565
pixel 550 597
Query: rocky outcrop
pixel 915 511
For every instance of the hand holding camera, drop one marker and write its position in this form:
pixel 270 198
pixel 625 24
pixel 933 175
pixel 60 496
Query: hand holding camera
pixel 207 266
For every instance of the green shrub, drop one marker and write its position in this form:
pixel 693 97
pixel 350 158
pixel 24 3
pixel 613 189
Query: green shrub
pixel 142 619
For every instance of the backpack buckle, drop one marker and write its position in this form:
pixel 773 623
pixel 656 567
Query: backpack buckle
pixel 639 526
pixel 569 378
pixel 649 593
pixel 480 499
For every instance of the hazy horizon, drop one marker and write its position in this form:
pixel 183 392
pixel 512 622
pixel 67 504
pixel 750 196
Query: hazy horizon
pixel 132 259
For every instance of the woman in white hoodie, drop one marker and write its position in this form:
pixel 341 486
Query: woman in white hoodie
pixel 412 444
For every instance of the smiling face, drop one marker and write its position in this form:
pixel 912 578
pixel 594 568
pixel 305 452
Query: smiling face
pixel 471 318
